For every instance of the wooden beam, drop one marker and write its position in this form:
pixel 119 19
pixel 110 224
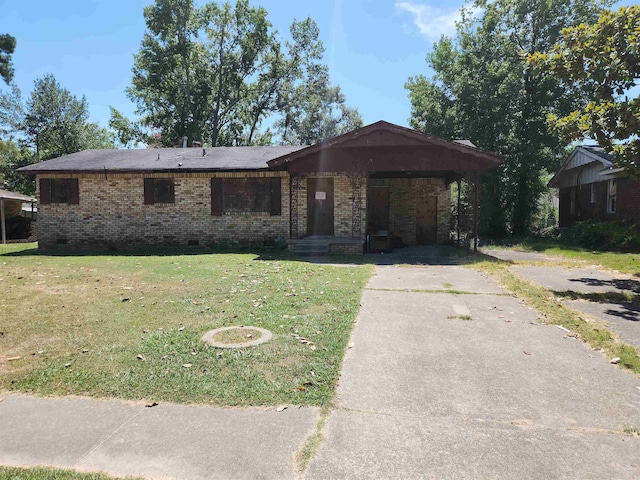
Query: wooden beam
pixel 2 221
pixel 476 201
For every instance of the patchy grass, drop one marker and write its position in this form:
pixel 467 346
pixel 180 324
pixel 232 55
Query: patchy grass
pixel 459 317
pixel 237 336
pixel 555 313
pixel 313 442
pixel 130 326
pixel 47 473
pixel 628 263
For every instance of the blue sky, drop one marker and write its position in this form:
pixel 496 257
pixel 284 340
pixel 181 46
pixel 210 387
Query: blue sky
pixel 372 46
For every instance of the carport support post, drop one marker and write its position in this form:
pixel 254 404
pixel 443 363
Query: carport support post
pixel 458 219
pixel 4 227
pixel 476 200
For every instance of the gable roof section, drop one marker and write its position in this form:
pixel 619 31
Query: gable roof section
pixel 383 146
pixel 162 160
pixel 583 159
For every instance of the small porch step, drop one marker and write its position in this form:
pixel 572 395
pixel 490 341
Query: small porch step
pixel 321 246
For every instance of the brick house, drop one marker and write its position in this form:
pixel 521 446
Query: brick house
pixel 379 182
pixel 590 188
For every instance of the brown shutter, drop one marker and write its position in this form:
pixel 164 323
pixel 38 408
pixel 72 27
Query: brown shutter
pixel 73 193
pixel 276 196
pixel 148 191
pixel 216 197
pixel 45 191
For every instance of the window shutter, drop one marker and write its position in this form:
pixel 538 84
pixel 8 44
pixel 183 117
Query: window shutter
pixel 73 194
pixel 148 191
pixel 45 191
pixel 216 197
pixel 276 196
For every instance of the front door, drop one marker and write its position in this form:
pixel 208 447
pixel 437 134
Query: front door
pixel 427 220
pixel 320 206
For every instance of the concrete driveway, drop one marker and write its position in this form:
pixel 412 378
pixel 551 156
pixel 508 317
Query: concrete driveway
pixel 471 385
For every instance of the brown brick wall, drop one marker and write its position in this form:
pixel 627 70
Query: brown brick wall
pixel 111 213
pixel 403 197
pixel 349 195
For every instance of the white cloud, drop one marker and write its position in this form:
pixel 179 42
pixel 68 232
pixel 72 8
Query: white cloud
pixel 432 22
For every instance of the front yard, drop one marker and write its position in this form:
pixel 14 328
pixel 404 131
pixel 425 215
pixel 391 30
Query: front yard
pixel 130 326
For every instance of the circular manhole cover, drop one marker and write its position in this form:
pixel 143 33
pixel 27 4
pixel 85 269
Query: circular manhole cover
pixel 237 337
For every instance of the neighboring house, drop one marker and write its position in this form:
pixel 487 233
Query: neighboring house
pixel 379 180
pixel 11 205
pixel 590 188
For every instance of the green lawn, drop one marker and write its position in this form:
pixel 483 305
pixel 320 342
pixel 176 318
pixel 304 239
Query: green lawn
pixel 46 473
pixel 129 326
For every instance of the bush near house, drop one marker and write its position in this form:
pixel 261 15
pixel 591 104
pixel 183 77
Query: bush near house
pixel 606 236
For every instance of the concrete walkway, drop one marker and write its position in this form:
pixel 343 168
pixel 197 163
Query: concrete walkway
pixel 622 317
pixel 454 386
pixel 166 441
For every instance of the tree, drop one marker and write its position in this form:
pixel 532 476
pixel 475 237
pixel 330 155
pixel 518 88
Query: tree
pixel 603 58
pixel 7 47
pixel 315 110
pixel 215 73
pixel 482 91
pixel 56 122
pixel 128 133
pixel 12 157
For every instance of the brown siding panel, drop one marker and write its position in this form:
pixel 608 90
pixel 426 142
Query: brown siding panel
pixel 216 197
pixel 45 191
pixel 148 191
pixel 276 196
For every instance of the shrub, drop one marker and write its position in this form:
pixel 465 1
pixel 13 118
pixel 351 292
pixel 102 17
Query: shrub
pixel 607 236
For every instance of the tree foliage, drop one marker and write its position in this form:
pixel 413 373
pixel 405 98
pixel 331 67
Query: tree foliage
pixel 7 47
pixel 215 73
pixel 482 91
pixel 604 58
pixel 50 123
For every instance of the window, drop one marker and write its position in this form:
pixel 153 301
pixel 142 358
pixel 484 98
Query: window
pixel 246 195
pixel 592 192
pixel 572 204
pixel 59 190
pixel 611 195
pixel 159 190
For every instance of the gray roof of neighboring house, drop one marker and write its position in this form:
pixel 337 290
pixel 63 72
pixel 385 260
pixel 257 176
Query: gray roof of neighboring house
pixel 599 151
pixel 7 195
pixel 164 159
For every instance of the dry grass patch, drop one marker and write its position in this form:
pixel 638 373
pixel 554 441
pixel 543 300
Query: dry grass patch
pixel 125 326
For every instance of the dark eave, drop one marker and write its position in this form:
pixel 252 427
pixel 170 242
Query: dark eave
pixel 398 148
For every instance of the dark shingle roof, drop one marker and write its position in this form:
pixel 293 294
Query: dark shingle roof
pixel 599 151
pixel 163 159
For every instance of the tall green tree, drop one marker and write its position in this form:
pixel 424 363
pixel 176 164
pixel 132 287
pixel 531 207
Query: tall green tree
pixel 215 73
pixel 483 91
pixel 604 58
pixel 7 47
pixel 315 110
pixel 56 122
